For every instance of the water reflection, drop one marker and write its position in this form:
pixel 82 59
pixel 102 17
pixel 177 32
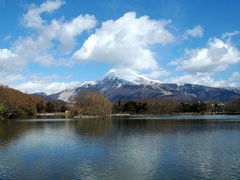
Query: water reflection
pixel 92 127
pixel 120 149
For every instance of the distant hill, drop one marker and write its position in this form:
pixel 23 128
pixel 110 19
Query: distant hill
pixel 40 94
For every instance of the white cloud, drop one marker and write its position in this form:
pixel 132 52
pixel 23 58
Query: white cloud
pixel 228 36
pixel 9 78
pixel 198 78
pixel 43 79
pixel 50 42
pixel 42 49
pixel 9 61
pixel 126 42
pixel 156 74
pixel 235 76
pixel 206 79
pixel 217 56
pixel 34 86
pixel 33 19
pixel 66 32
pixel 35 83
pixel 197 32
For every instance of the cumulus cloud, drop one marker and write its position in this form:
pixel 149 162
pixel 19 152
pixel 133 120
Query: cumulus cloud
pixel 197 32
pixel 217 56
pixel 66 32
pixel 33 19
pixel 207 80
pixel 50 41
pixel 198 78
pixel 41 48
pixel 48 88
pixel 10 61
pixel 45 84
pixel 126 42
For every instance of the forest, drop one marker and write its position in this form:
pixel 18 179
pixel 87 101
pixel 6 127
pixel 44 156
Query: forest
pixel 15 104
pixel 171 106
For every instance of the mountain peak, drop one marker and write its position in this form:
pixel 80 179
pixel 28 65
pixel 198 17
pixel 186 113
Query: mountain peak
pixel 128 76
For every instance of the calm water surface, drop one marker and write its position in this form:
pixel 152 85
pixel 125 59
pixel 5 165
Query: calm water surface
pixel 166 147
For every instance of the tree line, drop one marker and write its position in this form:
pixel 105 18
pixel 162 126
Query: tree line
pixel 90 102
pixel 157 106
pixel 171 106
pixel 15 104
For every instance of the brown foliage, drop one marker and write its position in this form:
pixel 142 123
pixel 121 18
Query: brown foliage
pixel 162 106
pixel 16 103
pixel 90 102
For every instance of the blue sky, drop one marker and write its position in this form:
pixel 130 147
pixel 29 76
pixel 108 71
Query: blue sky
pixel 52 45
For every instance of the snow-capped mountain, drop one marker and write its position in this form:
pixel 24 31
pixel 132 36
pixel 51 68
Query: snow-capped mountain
pixel 128 77
pixel 126 84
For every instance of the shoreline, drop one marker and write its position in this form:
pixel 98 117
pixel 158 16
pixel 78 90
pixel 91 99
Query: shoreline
pixel 64 115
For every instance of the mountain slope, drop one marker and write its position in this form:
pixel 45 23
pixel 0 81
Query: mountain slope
pixel 125 84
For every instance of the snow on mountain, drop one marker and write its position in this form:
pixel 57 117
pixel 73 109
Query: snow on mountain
pixel 233 89
pixel 68 93
pixel 128 76
pixel 65 95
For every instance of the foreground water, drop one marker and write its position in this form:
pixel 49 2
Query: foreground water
pixel 167 147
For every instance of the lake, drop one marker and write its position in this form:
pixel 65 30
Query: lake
pixel 127 148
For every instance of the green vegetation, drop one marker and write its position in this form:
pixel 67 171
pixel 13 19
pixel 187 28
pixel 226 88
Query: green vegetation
pixel 2 110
